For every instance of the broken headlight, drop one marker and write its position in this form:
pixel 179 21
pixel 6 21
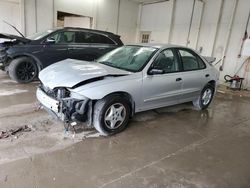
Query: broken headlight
pixel 78 96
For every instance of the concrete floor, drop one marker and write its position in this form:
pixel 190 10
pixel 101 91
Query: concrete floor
pixel 170 147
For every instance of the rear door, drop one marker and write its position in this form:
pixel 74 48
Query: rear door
pixel 163 89
pixel 193 74
pixel 90 46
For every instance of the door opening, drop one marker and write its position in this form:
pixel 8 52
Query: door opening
pixel 72 20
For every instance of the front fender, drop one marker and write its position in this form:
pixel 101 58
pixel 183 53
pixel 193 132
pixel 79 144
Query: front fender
pixel 25 54
pixel 132 86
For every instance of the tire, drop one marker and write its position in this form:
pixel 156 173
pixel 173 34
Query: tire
pixel 205 98
pixel 107 122
pixel 23 70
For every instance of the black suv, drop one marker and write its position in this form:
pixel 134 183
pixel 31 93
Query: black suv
pixel 24 57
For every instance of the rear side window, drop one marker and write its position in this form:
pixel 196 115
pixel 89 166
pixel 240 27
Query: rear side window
pixel 190 61
pixel 92 38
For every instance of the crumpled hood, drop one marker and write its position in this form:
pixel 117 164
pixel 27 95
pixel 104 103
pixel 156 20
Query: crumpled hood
pixel 69 72
pixel 8 36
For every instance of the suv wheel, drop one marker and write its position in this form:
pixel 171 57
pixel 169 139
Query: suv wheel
pixel 205 98
pixel 23 70
pixel 111 114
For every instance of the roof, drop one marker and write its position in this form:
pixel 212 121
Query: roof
pixel 162 46
pixel 85 29
pixel 158 45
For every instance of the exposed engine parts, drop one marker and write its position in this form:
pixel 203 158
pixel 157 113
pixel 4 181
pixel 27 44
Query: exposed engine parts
pixel 70 109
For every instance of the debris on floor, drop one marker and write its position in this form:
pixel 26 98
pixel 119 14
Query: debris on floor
pixel 13 132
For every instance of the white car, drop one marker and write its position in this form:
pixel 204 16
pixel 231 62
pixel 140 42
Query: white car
pixel 127 80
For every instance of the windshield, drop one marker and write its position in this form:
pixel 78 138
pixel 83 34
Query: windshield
pixel 130 58
pixel 40 35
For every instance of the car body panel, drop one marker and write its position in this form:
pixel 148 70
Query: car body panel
pixel 45 54
pixel 146 91
pixel 69 72
pixel 161 90
pixel 8 36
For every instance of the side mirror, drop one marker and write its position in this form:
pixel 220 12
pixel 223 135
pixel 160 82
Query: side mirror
pixel 50 41
pixel 155 71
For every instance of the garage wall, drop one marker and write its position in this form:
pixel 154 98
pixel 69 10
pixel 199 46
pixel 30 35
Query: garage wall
pixel 208 32
pixel 10 11
pixel 107 15
pixel 127 24
pixel 156 18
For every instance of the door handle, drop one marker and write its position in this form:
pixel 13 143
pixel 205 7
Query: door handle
pixel 207 75
pixel 178 79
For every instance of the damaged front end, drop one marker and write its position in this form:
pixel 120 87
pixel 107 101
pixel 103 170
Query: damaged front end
pixel 6 42
pixel 65 104
pixel 3 57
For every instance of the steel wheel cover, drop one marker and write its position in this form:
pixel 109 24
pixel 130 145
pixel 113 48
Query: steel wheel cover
pixel 115 116
pixel 206 96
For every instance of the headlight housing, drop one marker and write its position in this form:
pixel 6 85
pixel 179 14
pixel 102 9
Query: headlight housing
pixel 78 96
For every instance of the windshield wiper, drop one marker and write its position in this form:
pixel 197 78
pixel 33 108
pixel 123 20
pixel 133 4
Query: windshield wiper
pixel 105 62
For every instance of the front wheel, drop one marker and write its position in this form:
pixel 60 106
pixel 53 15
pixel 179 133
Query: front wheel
pixel 205 98
pixel 111 114
pixel 23 70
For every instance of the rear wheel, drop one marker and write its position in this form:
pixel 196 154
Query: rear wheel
pixel 205 98
pixel 111 114
pixel 23 70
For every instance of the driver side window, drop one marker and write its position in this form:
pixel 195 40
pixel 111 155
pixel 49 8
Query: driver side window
pixel 64 37
pixel 166 62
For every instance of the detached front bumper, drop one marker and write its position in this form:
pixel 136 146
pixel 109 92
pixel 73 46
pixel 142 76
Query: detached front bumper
pixel 67 109
pixel 50 104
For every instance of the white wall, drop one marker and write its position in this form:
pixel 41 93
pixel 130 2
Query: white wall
pixel 10 11
pixel 156 18
pixel 42 14
pixel 71 21
pixel 127 23
pixel 212 36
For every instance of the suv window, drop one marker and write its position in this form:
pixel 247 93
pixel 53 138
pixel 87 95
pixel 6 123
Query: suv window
pixel 190 61
pixel 85 37
pixel 166 61
pixel 64 37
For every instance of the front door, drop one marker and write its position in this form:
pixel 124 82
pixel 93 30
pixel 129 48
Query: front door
pixel 162 84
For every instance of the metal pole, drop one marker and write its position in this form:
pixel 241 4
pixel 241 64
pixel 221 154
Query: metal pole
pixel 118 16
pixel 190 24
pixel 171 22
pixel 199 29
pixel 53 11
pixel 218 25
pixel 36 14
pixel 228 35
pixel 23 17
pixel 138 25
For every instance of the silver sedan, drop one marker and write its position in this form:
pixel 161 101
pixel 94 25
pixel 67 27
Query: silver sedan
pixel 130 79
